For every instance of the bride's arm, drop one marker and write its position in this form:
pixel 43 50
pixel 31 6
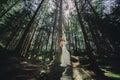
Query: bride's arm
pixel 61 44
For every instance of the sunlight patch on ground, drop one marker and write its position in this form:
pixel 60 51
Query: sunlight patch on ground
pixel 2 45
pixel 112 75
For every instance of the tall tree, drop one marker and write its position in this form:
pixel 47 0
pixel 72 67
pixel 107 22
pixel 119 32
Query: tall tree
pixel 60 28
pixel 99 26
pixel 90 54
pixel 53 33
pixel 19 46
pixel 9 8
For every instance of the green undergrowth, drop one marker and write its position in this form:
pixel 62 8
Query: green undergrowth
pixel 111 72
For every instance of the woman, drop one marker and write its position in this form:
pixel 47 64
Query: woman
pixel 65 57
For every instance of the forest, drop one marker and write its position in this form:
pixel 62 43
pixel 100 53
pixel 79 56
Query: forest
pixel 31 31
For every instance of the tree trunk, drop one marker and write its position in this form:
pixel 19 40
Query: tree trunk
pixel 59 31
pixel 92 58
pixel 53 34
pixel 5 11
pixel 19 46
pixel 73 41
pixel 75 38
pixel 30 40
pixel 100 27
pixel 93 34
pixel 42 42
pixel 12 36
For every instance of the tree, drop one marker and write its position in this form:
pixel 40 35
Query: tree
pixel 19 46
pixel 92 58
pixel 60 28
pixel 9 8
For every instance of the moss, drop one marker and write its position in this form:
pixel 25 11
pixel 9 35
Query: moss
pixel 112 75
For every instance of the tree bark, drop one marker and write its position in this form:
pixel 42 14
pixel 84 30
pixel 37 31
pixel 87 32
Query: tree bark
pixel 19 46
pixel 12 36
pixel 11 6
pixel 92 58
pixel 53 34
pixel 100 27
pixel 59 30
pixel 93 34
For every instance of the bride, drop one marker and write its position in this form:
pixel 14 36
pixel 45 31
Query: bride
pixel 65 57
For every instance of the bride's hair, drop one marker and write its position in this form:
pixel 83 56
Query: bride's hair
pixel 63 38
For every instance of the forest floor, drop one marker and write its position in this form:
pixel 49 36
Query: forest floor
pixel 44 71
pixel 27 70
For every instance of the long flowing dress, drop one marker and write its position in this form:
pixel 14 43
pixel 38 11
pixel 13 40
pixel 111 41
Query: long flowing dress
pixel 65 57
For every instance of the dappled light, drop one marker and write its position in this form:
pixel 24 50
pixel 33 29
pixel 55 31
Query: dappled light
pixel 59 40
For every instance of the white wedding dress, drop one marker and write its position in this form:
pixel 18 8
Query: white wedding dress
pixel 65 57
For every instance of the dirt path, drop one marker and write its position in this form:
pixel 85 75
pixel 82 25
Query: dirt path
pixel 75 73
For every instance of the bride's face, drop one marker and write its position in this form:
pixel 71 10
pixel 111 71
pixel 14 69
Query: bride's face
pixel 63 39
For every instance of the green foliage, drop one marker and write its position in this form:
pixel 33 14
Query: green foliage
pixel 99 6
pixel 112 75
pixel 4 5
pixel 17 17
